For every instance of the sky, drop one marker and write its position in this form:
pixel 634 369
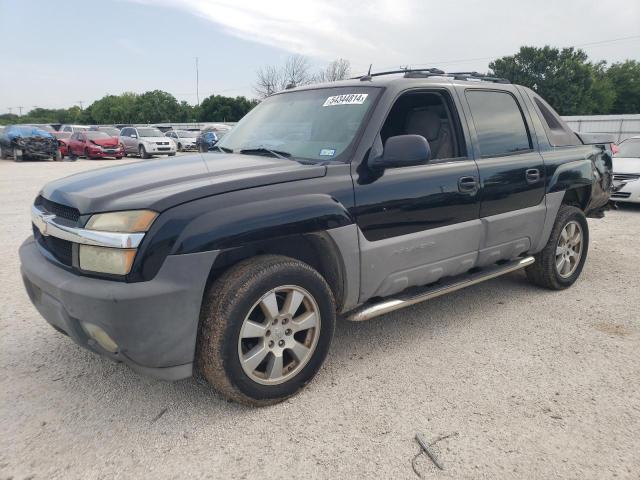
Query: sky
pixel 57 53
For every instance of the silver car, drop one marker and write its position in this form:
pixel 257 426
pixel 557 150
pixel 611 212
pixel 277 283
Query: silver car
pixel 146 142
pixel 185 139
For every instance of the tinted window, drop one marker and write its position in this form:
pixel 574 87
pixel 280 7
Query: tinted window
pixel 558 133
pixel 499 123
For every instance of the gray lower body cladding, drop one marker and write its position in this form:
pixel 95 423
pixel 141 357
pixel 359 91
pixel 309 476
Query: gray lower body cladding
pixel 392 265
pixel 154 323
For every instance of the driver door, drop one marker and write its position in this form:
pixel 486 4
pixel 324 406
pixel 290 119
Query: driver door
pixel 419 223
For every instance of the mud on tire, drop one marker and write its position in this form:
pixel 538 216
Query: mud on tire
pixel 231 301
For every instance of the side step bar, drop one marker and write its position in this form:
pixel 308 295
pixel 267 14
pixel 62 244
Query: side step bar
pixel 448 285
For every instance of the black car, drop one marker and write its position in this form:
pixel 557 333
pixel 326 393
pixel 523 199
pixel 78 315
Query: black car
pixel 355 198
pixel 28 142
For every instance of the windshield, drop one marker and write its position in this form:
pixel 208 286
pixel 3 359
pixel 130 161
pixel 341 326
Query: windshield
pixel 629 148
pixel 150 132
pixel 308 124
pixel 186 134
pixel 96 135
pixel 114 132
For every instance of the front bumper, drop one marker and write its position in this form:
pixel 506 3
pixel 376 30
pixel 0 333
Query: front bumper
pixel 106 154
pixel 154 323
pixel 628 191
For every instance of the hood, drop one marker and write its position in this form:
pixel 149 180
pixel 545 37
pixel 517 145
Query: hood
pixel 626 165
pixel 155 139
pixel 164 183
pixel 105 142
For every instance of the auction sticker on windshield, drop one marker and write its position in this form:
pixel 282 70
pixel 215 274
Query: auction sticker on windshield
pixel 346 99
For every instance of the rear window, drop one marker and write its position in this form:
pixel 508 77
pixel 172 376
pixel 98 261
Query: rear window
pixel 558 132
pixel 499 123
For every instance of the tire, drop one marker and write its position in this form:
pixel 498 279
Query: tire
pixel 143 152
pixel 57 157
pixel 17 155
pixel 179 147
pixel 86 154
pixel 1 153
pixel 172 154
pixel 227 305
pixel 119 158
pixel 549 271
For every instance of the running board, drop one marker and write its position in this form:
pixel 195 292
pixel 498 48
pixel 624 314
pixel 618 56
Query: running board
pixel 448 285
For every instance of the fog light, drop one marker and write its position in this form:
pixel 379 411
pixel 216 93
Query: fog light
pixel 116 261
pixel 100 336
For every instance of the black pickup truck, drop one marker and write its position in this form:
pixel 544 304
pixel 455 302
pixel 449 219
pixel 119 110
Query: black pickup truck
pixel 354 198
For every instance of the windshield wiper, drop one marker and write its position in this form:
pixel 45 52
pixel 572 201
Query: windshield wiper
pixel 262 150
pixel 223 149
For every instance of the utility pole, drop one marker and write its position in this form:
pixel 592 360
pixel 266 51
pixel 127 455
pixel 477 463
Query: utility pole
pixel 80 102
pixel 20 109
pixel 197 84
pixel 10 110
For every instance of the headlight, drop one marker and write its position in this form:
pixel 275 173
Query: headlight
pixel 134 221
pixel 116 261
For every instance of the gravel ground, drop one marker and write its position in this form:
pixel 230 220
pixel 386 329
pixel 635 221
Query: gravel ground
pixel 532 383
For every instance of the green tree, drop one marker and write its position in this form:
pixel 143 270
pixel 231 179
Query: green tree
pixel 625 81
pixel 565 78
pixel 155 107
pixel 217 108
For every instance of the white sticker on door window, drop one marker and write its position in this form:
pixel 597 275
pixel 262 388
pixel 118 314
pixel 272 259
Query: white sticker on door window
pixel 347 99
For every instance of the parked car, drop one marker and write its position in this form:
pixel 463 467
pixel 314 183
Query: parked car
pixel 111 131
pixel 28 142
pixel 626 171
pixel 355 199
pixel 185 140
pixel 73 128
pixel 146 142
pixel 93 145
pixel 63 143
pixel 206 139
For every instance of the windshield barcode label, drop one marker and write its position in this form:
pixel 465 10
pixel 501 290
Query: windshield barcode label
pixel 348 99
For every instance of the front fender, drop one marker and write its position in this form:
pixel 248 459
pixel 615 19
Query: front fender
pixel 211 224
pixel 261 220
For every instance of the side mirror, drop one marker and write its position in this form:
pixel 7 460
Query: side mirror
pixel 403 151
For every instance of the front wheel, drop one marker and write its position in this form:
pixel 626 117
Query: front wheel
pixel 17 155
pixel 143 152
pixel 265 329
pixel 560 263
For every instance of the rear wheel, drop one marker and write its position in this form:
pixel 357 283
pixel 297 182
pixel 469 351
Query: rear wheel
pixel 560 263
pixel 266 327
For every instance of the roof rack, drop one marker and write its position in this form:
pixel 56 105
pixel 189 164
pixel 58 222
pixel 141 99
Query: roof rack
pixel 433 72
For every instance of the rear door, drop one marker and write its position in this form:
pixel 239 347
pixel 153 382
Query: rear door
pixel 511 172
pixel 418 223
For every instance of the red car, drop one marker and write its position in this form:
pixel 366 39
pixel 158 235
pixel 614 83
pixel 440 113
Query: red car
pixel 91 145
pixel 63 142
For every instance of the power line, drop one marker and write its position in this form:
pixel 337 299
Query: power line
pixel 478 59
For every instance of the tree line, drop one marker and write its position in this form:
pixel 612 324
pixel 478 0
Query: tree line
pixel 156 106
pixel 565 77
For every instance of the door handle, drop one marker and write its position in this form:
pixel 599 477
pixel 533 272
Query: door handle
pixel 532 175
pixel 468 184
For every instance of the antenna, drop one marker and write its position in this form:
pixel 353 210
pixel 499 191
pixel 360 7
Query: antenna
pixel 367 77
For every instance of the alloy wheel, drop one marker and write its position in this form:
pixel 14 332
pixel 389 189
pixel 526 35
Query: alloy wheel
pixel 569 249
pixel 279 335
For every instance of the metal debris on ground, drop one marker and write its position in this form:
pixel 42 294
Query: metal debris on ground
pixel 426 448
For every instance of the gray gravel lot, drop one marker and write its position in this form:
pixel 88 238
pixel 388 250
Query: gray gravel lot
pixel 537 384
